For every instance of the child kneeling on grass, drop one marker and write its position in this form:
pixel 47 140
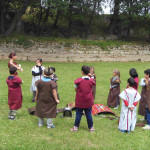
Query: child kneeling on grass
pixel 84 98
pixel 46 98
pixel 14 92
pixel 128 116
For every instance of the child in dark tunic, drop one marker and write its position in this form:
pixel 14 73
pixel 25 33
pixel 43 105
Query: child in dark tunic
pixel 113 97
pixel 46 98
pixel 84 98
pixel 14 92
pixel 93 76
pixel 144 105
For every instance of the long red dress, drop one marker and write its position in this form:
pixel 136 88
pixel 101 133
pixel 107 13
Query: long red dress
pixel 14 92
pixel 9 65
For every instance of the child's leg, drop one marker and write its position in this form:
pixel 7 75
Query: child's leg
pixel 50 123
pixel 148 116
pixel 10 111
pixel 89 117
pixel 79 112
pixel 12 114
pixel 34 94
pixel 41 122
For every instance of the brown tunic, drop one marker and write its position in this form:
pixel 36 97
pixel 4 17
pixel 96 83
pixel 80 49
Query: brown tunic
pixel 46 104
pixel 94 88
pixel 145 100
pixel 113 97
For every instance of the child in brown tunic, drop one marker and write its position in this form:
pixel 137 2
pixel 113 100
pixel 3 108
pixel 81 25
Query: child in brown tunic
pixel 113 97
pixel 144 105
pixel 93 76
pixel 47 100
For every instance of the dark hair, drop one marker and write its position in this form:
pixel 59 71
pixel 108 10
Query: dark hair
pixel 53 68
pixel 12 70
pixel 85 69
pixel 133 73
pixel 40 59
pixel 131 81
pixel 48 71
pixel 147 72
pixel 12 54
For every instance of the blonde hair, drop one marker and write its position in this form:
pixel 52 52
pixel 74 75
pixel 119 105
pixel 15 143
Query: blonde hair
pixel 117 72
pixel 91 67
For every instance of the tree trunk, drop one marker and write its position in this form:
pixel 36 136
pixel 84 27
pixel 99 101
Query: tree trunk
pixel 90 21
pixel 2 21
pixel 56 19
pixel 115 18
pixel 40 17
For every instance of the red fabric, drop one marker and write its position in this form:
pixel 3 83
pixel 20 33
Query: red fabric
pixel 9 65
pixel 84 94
pixel 126 103
pixel 135 103
pixel 136 79
pixel 14 92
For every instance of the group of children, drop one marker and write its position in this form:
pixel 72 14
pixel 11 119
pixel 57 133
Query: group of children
pixel 44 88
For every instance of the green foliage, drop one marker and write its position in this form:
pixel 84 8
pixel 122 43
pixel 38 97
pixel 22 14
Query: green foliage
pixel 24 134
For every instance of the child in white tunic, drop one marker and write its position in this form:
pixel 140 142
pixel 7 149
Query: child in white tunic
pixel 128 116
pixel 37 72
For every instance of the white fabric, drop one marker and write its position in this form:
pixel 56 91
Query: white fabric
pixel 35 78
pixel 128 118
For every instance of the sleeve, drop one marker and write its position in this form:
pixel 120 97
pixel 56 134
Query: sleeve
pixel 115 85
pixel 77 81
pixel 37 83
pixel 123 95
pixel 93 82
pixel 54 85
pixel 37 74
pixel 137 99
pixel 18 80
pixel 142 82
pixel 126 103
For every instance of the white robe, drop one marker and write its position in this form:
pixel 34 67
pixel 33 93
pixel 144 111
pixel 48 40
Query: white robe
pixel 128 118
pixel 35 78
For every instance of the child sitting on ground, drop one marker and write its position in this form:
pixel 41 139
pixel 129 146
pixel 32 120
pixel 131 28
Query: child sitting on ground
pixel 46 98
pixel 128 116
pixel 84 98
pixel 113 97
pixel 14 92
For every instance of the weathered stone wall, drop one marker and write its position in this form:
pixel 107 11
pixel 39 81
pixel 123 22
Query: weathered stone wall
pixel 56 52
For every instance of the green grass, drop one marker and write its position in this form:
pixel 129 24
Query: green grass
pixel 28 41
pixel 24 134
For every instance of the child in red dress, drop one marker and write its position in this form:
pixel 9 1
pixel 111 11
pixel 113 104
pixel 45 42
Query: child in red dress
pixel 84 98
pixel 14 92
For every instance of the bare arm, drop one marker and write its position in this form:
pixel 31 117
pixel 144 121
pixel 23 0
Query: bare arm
pixel 75 89
pixel 55 96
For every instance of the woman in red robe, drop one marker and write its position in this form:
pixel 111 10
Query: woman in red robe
pixel 12 62
pixel 14 92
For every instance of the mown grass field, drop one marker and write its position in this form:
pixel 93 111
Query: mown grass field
pixel 24 134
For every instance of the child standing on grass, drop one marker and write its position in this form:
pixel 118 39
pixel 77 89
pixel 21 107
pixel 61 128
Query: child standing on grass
pixel 37 73
pixel 133 73
pixel 144 106
pixel 46 98
pixel 128 116
pixel 14 92
pixel 84 98
pixel 113 97
pixel 93 76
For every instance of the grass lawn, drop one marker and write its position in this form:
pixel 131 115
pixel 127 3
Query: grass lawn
pixel 24 134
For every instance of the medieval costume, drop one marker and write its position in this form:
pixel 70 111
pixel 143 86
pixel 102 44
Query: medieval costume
pixel 145 97
pixel 37 72
pixel 113 97
pixel 46 103
pixel 14 95
pixel 128 118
